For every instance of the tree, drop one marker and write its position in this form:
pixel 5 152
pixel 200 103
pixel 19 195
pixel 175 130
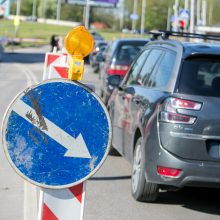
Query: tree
pixel 26 7
pixel 154 8
pixel 47 8
pixel 72 12
pixel 104 15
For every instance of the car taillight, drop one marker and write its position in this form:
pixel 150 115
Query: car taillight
pixel 169 112
pixel 167 171
pixel 117 69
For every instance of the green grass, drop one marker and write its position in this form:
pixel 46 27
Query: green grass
pixel 32 30
pixel 44 32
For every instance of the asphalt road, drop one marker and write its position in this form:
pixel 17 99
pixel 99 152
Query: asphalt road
pixel 108 194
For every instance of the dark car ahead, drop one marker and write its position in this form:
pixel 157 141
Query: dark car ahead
pixel 166 117
pixel 97 48
pixel 118 59
pixel 99 58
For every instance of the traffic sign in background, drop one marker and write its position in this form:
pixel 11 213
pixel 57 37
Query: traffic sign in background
pixel 56 134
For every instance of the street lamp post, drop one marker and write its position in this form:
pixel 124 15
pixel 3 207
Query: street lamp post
pixel 176 6
pixel 87 14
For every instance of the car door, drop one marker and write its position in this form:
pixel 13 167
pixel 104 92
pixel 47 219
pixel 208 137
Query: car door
pixel 137 102
pixel 119 115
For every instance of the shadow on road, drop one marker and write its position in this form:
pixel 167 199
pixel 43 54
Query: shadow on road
pixel 107 178
pixel 23 57
pixel 198 199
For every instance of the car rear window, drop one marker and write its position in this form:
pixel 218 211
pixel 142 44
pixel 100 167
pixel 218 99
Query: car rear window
pixel 128 52
pixel 200 76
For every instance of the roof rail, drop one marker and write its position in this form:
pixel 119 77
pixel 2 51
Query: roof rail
pixel 167 34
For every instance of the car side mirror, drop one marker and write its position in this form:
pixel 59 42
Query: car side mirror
pixel 114 80
pixel 100 58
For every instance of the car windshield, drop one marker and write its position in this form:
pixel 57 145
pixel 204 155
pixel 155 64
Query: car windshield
pixel 129 52
pixel 200 77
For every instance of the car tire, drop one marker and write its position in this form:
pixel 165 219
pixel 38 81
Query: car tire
pixel 96 68
pixel 105 98
pixel 142 190
pixel 101 93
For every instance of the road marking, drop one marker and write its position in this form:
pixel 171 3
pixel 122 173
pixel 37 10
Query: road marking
pixel 75 147
pixel 29 75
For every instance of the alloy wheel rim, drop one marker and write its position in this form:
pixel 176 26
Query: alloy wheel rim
pixel 136 170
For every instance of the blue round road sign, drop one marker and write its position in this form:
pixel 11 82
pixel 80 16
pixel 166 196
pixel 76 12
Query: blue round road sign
pixel 56 134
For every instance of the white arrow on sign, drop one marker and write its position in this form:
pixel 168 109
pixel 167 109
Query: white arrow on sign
pixel 75 147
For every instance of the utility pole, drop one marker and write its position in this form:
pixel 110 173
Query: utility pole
pixel 143 15
pixel 186 4
pixel 87 14
pixel 34 9
pixel 192 16
pixel 58 9
pixel 122 15
pixel 45 9
pixel 17 17
pixel 210 14
pixel 198 12
pixel 204 9
pixel 18 7
pixel 134 13
pixel 168 18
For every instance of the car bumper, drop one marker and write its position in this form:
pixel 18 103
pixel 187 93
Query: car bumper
pixel 193 173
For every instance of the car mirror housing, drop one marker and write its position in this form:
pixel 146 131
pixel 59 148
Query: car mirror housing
pixel 114 80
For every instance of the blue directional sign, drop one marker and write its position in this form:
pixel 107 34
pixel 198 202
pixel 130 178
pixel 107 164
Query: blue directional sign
pixel 56 134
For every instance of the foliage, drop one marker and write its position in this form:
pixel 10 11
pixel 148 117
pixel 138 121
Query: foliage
pixel 26 8
pixel 13 8
pixel 32 30
pixel 156 13
pixel 47 9
pixel 213 15
pixel 72 12
pixel 105 15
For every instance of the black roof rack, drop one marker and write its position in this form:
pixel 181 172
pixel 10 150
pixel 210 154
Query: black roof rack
pixel 167 34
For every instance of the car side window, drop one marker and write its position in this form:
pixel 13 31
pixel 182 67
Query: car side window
pixel 162 74
pixel 136 68
pixel 148 66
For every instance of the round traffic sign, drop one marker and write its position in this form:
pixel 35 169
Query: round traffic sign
pixel 79 42
pixel 56 134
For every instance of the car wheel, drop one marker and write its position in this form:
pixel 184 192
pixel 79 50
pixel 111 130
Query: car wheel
pixel 142 190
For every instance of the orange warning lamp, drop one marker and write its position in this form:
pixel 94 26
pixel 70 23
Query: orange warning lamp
pixel 78 43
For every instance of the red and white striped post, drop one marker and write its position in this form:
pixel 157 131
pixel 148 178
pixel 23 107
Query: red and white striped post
pixel 60 204
pixel 63 204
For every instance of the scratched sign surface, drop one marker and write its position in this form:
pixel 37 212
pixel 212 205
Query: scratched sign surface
pixel 56 134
